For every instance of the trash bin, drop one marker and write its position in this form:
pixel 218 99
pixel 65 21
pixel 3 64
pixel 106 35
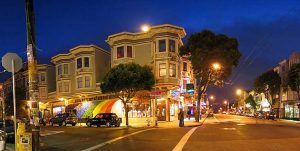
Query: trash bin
pixel 2 140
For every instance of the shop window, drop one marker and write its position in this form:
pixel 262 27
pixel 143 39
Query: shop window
pixel 79 63
pixel 172 45
pixel 162 70
pixel 120 52
pixel 172 70
pixel 129 51
pixel 86 62
pixel 162 45
pixel 79 82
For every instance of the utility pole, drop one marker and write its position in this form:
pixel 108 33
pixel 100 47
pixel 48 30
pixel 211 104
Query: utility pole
pixel 32 74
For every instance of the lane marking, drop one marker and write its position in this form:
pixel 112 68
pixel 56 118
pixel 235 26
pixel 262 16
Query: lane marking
pixel 47 133
pixel 216 119
pixel 114 140
pixel 184 139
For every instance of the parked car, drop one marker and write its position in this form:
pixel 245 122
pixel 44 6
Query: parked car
pixel 259 115
pixel 107 119
pixel 64 119
pixel 270 116
pixel 9 130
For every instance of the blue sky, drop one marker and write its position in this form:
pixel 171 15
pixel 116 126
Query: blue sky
pixel 268 31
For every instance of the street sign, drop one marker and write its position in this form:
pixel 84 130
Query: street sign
pixel 7 62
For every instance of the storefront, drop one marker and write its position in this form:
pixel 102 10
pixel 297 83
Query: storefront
pixel 291 111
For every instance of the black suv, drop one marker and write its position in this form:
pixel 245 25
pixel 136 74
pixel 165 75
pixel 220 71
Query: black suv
pixel 64 119
pixel 107 119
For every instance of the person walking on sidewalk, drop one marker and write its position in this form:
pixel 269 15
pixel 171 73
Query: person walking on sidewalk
pixel 189 114
pixel 181 118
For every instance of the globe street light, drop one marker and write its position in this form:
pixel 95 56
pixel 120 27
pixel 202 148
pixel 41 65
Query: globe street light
pixel 211 97
pixel 216 66
pixel 145 28
pixel 238 91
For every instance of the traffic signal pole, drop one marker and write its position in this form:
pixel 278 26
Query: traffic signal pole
pixel 32 75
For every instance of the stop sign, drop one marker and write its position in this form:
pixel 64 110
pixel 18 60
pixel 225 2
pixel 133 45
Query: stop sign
pixel 7 62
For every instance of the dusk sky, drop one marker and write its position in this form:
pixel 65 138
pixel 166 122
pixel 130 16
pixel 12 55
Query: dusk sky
pixel 267 31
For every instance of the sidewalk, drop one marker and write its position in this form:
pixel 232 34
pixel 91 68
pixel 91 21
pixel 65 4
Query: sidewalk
pixel 165 124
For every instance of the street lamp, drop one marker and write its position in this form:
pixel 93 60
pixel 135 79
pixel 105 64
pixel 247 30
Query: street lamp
pixel 145 28
pixel 227 105
pixel 216 66
pixel 212 97
pixel 238 91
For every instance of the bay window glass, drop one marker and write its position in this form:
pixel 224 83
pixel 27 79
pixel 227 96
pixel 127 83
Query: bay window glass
pixel 172 70
pixel 43 77
pixel 172 45
pixel 129 51
pixel 79 82
pixel 162 70
pixel 120 52
pixel 66 69
pixel 184 66
pixel 59 70
pixel 87 82
pixel 79 63
pixel 86 62
pixel 162 45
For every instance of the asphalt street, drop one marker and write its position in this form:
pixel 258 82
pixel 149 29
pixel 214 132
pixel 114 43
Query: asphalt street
pixel 218 133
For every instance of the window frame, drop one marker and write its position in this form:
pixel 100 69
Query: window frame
pixel 160 68
pixel 159 50
pixel 118 50
pixel 169 45
pixel 128 51
pixel 171 69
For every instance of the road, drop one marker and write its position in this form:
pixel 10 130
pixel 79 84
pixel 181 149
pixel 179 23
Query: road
pixel 218 133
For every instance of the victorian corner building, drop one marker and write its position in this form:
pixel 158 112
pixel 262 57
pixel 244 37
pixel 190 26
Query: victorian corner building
pixel 72 83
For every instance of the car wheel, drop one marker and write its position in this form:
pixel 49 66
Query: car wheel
pixel 89 124
pixel 64 123
pixel 107 124
pixel 98 125
pixel 51 123
pixel 73 124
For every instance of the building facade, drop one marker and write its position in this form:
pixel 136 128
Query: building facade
pixel 288 98
pixel 78 76
pixel 159 49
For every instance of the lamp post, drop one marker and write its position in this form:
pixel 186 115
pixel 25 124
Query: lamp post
pixel 239 93
pixel 227 105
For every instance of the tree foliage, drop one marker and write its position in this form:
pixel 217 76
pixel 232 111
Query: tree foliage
pixel 251 101
pixel 205 48
pixel 293 78
pixel 125 80
pixel 268 83
pixel 21 104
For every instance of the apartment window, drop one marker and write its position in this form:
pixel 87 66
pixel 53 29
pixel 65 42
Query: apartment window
pixel 87 81
pixel 79 63
pixel 42 92
pixel 162 70
pixel 66 68
pixel 42 77
pixel 172 45
pixel 66 87
pixel 79 82
pixel 120 52
pixel 59 70
pixel 86 62
pixel 184 66
pixel 172 70
pixel 129 51
pixel 162 45
pixel 60 87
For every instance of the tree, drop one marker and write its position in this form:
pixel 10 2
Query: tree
pixel 125 80
pixel 268 83
pixel 205 48
pixel 249 100
pixel 21 104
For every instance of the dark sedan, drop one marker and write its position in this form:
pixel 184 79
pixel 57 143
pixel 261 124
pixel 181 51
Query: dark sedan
pixel 64 119
pixel 107 119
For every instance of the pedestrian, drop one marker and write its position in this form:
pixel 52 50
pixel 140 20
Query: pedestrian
pixel 181 118
pixel 189 114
